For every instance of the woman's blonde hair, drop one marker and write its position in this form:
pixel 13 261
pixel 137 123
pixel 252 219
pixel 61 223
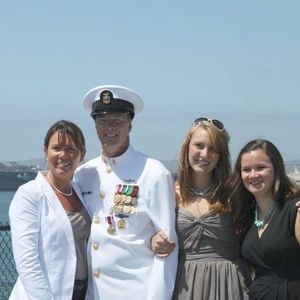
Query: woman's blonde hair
pixel 220 141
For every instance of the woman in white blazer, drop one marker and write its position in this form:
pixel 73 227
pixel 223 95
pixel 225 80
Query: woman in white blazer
pixel 50 225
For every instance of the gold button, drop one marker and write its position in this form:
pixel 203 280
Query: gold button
pixel 96 220
pixel 96 273
pixel 108 170
pixel 96 246
pixel 102 195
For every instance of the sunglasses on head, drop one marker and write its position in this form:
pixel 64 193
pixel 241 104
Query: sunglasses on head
pixel 218 124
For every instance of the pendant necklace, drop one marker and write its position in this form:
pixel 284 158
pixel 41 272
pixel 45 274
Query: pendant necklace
pixel 261 223
pixel 56 189
pixel 198 192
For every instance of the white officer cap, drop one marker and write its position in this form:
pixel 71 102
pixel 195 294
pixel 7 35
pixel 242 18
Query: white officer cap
pixel 112 98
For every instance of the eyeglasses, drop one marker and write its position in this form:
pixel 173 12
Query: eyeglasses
pixel 218 124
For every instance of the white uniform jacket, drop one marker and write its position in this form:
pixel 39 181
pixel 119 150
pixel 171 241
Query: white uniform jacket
pixel 43 243
pixel 122 264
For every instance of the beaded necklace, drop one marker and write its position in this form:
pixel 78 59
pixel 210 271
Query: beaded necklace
pixel 261 223
pixel 198 193
pixel 58 190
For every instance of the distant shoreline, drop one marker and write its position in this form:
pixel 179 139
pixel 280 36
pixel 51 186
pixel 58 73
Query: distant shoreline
pixel 171 165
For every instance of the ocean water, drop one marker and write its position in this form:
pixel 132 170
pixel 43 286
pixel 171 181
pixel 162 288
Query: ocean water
pixel 5 199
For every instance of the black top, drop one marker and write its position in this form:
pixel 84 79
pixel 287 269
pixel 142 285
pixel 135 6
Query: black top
pixel 275 256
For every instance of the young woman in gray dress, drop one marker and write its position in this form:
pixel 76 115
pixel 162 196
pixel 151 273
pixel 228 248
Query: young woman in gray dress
pixel 209 265
pixel 265 201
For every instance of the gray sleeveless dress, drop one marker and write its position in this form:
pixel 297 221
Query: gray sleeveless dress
pixel 209 266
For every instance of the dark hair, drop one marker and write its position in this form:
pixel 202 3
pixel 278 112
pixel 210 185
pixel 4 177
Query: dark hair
pixel 66 128
pixel 243 201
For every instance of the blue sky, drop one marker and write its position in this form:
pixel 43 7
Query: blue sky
pixel 237 61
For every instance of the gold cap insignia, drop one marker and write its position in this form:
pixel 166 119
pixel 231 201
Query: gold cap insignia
pixel 106 96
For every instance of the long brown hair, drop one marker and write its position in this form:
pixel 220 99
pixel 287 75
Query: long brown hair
pixel 220 140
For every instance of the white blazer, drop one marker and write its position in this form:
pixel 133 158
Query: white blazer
pixel 43 243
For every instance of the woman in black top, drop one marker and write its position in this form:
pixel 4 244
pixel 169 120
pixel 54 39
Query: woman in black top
pixel 265 199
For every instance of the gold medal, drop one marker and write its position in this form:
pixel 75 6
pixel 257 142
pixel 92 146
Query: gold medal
pixel 117 209
pixel 126 209
pixel 128 200
pixel 111 229
pixel 121 224
pixel 133 200
pixel 117 198
pixel 123 198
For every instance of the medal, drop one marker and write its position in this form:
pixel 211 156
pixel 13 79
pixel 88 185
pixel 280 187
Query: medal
pixel 133 200
pixel 111 227
pixel 117 208
pixel 125 189
pixel 128 200
pixel 126 209
pixel 124 205
pixel 121 224
pixel 123 198
pixel 117 198
pixel 135 191
pixel 119 188
pixel 129 190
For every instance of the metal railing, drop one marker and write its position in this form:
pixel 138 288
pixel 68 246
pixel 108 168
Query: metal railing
pixel 8 273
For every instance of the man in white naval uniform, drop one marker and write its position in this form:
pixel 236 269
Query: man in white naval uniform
pixel 131 197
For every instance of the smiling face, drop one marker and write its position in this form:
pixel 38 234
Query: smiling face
pixel 258 174
pixel 63 156
pixel 113 131
pixel 202 155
